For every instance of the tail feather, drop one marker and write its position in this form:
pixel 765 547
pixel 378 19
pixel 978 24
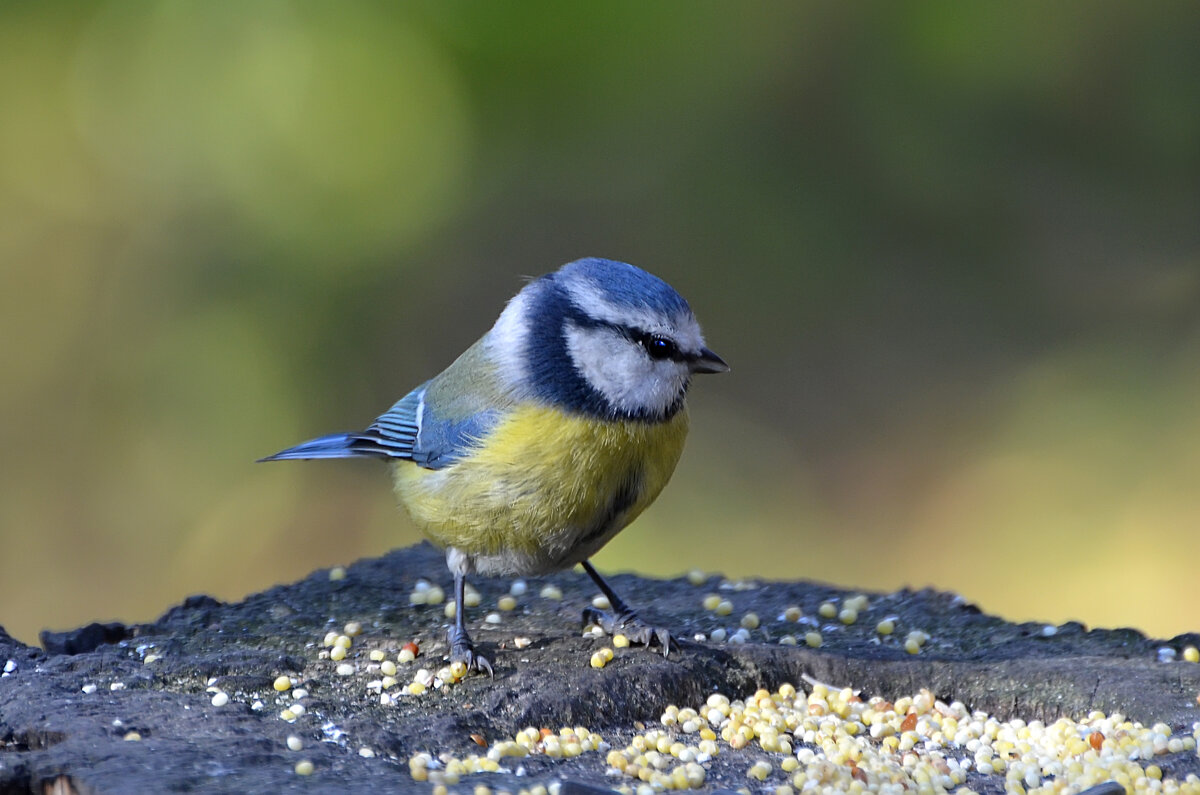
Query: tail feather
pixel 335 445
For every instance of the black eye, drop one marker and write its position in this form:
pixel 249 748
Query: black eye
pixel 659 347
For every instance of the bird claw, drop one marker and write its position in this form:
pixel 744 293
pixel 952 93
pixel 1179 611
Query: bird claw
pixel 629 625
pixel 463 650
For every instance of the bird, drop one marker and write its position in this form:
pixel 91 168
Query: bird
pixel 547 436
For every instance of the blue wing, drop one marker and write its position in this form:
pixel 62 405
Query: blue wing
pixel 409 430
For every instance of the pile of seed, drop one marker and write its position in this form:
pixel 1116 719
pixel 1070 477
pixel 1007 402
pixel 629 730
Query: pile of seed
pixel 830 740
pixel 824 739
pixel 567 743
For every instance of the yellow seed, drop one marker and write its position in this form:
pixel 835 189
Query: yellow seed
pixel 405 656
pixel 793 613
pixel 620 641
pixel 337 573
pixel 458 669
pixel 353 628
pixel 750 621
pixel 416 688
pixel 337 653
pixel 601 602
pixel 919 636
pixel 827 610
pixel 886 627
pixel 434 595
pixel 387 668
pixel 711 601
pixel 304 767
pixel 696 577
pixel 1191 654
pixel 606 653
pixel 507 603
pixel 282 683
pixel 859 602
pixel 344 641
pixel 598 660
pixel 911 645
pixel 759 770
pixel 848 615
pixel 451 609
pixel 723 608
pixel 551 592
pixel 132 736
pixel 813 639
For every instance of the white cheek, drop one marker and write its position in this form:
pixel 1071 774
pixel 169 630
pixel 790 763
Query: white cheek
pixel 620 370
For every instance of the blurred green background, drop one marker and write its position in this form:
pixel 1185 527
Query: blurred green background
pixel 952 252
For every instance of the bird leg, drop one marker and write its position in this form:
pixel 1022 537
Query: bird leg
pixel 461 647
pixel 622 618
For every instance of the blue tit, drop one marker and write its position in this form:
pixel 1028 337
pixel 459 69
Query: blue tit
pixel 550 434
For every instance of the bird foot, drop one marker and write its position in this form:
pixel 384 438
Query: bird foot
pixel 629 625
pixel 463 650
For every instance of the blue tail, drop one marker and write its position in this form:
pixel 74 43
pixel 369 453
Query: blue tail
pixel 335 445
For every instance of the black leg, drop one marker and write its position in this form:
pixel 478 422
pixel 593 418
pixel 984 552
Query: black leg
pixel 622 618
pixel 461 647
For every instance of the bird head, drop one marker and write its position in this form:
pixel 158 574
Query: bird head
pixel 604 338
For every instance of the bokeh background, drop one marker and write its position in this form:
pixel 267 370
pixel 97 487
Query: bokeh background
pixel 952 252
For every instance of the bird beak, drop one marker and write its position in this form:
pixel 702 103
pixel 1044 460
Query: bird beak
pixel 708 362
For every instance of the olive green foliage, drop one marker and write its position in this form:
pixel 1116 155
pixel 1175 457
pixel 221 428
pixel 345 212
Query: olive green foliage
pixel 951 251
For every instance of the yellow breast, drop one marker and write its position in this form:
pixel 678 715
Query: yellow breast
pixel 545 490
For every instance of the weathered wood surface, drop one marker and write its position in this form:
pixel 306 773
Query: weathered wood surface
pixel 52 731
